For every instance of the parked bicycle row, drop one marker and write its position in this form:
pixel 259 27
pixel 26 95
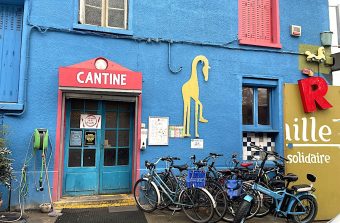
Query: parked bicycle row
pixel 208 194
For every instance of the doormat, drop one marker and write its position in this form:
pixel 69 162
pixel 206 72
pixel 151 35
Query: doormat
pixel 100 215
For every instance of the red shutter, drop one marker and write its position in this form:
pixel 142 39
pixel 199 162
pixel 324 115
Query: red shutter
pixel 256 22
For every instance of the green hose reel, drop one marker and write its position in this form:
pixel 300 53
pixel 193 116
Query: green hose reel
pixel 40 139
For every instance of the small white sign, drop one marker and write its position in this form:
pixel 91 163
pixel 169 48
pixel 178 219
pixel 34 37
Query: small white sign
pixel 197 143
pixel 88 121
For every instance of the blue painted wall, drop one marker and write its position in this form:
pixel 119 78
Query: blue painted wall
pixel 202 27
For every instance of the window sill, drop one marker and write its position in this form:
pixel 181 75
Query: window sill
pixel 102 29
pixel 263 44
pixel 259 129
pixel 11 106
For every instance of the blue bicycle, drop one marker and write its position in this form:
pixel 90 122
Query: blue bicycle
pixel 297 203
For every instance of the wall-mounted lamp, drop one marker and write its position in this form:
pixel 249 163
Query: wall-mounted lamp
pixel 326 38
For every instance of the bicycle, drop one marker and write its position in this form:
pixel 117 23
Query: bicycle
pixel 297 202
pixel 197 203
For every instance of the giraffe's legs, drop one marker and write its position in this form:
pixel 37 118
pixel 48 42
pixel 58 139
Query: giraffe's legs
pixel 186 120
pixel 201 112
pixel 196 120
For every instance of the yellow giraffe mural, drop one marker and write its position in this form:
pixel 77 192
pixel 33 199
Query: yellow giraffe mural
pixel 191 90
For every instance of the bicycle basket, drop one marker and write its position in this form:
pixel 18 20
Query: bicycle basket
pixel 196 178
pixel 234 188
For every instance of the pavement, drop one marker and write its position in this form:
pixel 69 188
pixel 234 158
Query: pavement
pixel 158 216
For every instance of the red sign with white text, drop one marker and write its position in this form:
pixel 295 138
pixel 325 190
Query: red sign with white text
pixel 85 75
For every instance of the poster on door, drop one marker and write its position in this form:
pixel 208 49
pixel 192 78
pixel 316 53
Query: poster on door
pixel 312 145
pixel 88 121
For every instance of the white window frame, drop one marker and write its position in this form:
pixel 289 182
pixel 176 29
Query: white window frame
pixel 104 16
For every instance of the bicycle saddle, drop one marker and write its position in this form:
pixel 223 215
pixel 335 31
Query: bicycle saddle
pixel 290 177
pixel 246 164
pixel 180 167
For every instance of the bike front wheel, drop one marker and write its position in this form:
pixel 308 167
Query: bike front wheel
pixel 242 212
pixel 197 204
pixel 308 205
pixel 146 195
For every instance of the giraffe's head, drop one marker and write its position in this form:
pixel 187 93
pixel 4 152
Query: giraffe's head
pixel 205 68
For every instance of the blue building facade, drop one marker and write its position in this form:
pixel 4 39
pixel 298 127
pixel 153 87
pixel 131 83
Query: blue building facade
pixel 242 99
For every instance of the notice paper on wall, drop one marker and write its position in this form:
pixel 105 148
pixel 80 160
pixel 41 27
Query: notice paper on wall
pixel 197 143
pixel 176 131
pixel 158 131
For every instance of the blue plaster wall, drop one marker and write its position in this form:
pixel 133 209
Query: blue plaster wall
pixel 193 21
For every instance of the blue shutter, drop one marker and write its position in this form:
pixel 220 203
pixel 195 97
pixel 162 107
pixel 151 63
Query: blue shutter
pixel 10 45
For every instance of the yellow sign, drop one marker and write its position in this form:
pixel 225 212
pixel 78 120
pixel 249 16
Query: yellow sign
pixel 312 145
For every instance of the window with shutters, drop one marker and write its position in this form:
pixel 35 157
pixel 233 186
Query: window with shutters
pixel 11 17
pixel 259 23
pixel 103 15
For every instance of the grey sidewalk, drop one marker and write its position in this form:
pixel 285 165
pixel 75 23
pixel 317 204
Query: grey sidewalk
pixel 158 216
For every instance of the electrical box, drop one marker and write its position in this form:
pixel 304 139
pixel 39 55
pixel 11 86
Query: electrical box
pixel 295 30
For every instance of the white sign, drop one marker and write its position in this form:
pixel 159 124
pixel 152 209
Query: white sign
pixel 158 131
pixel 88 121
pixel 197 143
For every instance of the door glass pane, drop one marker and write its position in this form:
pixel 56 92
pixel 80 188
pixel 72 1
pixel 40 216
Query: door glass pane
pixel 110 136
pixel 123 138
pixel 76 104
pixel 124 106
pixel 109 157
pixel 247 106
pixel 89 158
pixel 116 18
pixel 75 119
pixel 111 120
pixel 91 105
pixel 111 105
pixel 263 106
pixel 124 120
pixel 123 157
pixel 74 157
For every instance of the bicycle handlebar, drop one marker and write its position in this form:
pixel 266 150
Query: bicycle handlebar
pixel 275 154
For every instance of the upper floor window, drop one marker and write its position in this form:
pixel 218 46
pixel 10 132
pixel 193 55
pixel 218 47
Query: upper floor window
pixel 259 23
pixel 104 13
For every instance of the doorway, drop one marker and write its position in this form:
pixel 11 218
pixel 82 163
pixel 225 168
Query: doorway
pixel 98 154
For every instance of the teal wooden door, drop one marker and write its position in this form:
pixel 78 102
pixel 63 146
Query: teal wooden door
pixel 98 161
pixel 117 132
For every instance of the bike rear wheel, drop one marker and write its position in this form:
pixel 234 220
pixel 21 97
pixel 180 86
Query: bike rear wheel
pixel 197 205
pixel 219 196
pixel 309 204
pixel 146 195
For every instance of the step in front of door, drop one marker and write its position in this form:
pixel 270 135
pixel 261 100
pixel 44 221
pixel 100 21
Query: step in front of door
pixel 96 201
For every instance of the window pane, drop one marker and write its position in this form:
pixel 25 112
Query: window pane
pixel 109 157
pixel 124 120
pixel 74 157
pixel 123 156
pixel 110 136
pixel 93 16
pixel 75 119
pixel 247 106
pixel 111 120
pixel 116 4
pixel 97 3
pixel 89 158
pixel 116 18
pixel 123 139
pixel 263 106
pixel 124 106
